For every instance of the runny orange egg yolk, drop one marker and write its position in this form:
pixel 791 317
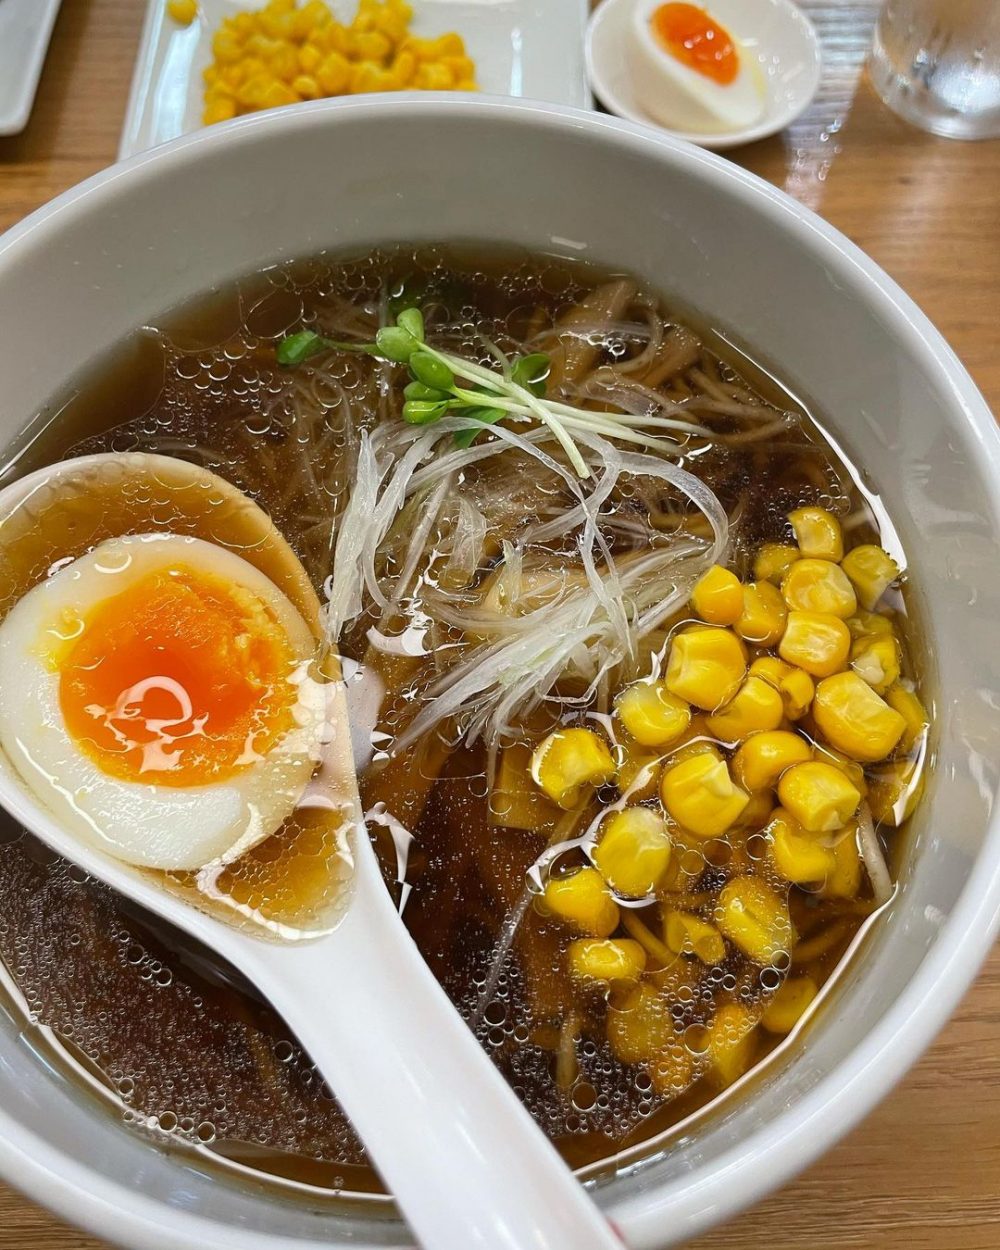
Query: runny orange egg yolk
pixel 693 38
pixel 180 680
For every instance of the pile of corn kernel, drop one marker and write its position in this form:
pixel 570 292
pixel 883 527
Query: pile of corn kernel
pixel 282 54
pixel 782 720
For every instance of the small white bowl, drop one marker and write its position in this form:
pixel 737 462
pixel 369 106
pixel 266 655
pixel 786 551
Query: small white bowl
pixel 775 32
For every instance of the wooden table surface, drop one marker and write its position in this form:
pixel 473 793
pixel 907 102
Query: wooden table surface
pixel 923 1172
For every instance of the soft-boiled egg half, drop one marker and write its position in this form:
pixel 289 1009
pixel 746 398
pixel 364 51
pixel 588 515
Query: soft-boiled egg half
pixel 157 698
pixel 690 72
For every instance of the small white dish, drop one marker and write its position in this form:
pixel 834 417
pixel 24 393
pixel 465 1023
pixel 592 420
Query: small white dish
pixel 776 32
pixel 25 29
pixel 531 48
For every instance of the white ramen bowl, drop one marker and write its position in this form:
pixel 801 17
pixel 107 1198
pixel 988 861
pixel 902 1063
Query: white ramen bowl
pixel 164 227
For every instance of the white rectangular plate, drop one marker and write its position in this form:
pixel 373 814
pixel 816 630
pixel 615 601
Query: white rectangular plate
pixel 531 48
pixel 25 28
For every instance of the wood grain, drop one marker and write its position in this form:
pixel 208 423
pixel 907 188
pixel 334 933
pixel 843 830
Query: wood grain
pixel 923 1172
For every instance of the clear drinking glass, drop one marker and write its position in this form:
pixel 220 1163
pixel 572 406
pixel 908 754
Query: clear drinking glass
pixel 937 64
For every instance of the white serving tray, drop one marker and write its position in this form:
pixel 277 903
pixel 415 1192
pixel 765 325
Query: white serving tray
pixel 532 48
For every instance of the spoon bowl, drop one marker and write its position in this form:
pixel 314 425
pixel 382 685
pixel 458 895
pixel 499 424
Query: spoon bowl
pixel 466 1164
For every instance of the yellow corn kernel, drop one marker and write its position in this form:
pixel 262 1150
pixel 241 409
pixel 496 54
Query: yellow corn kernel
pixel 243 23
pixel 672 1071
pixel 225 48
pixel 896 789
pixel 706 666
pixel 605 960
pixel 277 25
pixel 868 624
pixel 851 769
pixel 773 561
pixel 854 719
pixel 567 761
pixel 770 668
pixel 219 91
pixel 877 661
pixel 816 642
pixel 796 856
pixel 731 1041
pixel 718 596
pixel 246 68
pixel 515 801
pixel 640 1025
pixel 757 812
pixel 633 851
pixel 872 571
pixel 393 25
pixel 762 621
pixel 404 67
pixel 334 73
pixel 755 919
pixel 462 67
pixel 818 796
pixel 373 46
pixel 794 685
pixel 422 49
pixel 448 44
pixel 218 109
pixel 364 19
pixel 756 706
pixel 638 773
pixel 651 714
pixel 307 88
pixel 817 533
pixel 433 76
pixel 466 84
pixel 845 880
pixel 251 93
pixel 261 46
pixel 278 93
pixel 687 934
pixel 333 37
pixel 367 76
pixel 819 586
pixel 699 794
pixel 309 58
pixel 694 741
pixel 762 759
pixel 913 712
pixel 788 1004
pixel 312 16
pixel 284 63
pixel 582 901
pixel 183 12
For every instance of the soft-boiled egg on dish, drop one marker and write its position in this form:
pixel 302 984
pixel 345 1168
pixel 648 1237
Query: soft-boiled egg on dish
pixel 158 699
pixel 690 72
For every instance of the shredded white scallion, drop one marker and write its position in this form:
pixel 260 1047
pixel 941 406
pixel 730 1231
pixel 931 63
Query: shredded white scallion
pixel 584 629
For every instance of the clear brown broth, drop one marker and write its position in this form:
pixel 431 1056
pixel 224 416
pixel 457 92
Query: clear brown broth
pixel 181 1045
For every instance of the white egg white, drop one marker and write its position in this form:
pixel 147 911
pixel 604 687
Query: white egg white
pixel 149 825
pixel 684 99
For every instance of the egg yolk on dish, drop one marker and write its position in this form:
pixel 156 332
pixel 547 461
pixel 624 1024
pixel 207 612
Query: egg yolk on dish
pixel 180 680
pixel 690 36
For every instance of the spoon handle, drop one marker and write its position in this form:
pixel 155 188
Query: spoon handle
pixel 468 1167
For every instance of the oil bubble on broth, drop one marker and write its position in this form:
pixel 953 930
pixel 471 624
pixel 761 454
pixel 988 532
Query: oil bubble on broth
pixel 517 751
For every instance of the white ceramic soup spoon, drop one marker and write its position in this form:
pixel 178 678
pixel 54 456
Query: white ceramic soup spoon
pixel 467 1165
